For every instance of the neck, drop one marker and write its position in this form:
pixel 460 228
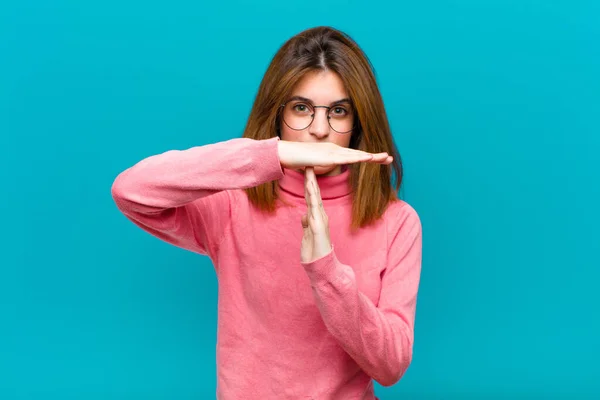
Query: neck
pixel 335 171
pixel 332 186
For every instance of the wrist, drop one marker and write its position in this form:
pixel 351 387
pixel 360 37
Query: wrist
pixel 281 151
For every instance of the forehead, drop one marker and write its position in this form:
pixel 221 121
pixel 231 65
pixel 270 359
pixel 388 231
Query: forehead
pixel 320 86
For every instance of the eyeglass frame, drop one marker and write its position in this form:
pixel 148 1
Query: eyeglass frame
pixel 313 118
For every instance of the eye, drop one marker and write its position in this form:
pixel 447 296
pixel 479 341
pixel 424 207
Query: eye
pixel 339 111
pixel 301 108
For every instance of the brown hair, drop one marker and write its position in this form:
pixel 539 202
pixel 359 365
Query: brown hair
pixel 325 48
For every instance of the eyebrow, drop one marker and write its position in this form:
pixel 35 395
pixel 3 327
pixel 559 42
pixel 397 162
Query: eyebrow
pixel 307 100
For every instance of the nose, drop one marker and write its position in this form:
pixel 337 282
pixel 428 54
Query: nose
pixel 320 125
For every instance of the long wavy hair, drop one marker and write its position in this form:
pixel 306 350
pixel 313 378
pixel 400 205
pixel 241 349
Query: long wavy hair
pixel 326 48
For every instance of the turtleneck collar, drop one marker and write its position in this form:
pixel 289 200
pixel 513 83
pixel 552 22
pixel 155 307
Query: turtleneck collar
pixel 331 187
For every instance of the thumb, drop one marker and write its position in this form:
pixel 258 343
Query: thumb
pixel 304 221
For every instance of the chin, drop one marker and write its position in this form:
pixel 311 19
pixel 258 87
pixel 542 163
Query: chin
pixel 323 170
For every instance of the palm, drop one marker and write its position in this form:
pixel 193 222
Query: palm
pixel 315 240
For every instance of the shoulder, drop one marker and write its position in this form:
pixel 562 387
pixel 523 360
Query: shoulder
pixel 401 210
pixel 402 219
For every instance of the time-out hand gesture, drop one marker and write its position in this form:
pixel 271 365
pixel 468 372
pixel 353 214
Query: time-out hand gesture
pixel 315 224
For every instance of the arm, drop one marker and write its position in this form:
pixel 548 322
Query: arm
pixel 379 338
pixel 179 196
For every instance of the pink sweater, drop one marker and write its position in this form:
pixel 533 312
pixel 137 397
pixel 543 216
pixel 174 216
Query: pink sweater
pixel 286 329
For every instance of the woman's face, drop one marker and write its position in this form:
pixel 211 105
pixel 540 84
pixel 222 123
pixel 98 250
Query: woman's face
pixel 320 88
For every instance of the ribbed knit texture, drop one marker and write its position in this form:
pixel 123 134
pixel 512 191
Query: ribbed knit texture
pixel 286 330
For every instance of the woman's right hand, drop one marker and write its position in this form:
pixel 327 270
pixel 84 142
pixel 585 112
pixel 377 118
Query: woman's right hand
pixel 296 155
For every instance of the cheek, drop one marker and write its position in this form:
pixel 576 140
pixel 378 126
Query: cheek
pixel 291 135
pixel 288 134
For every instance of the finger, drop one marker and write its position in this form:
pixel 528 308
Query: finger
pixel 380 157
pixel 348 152
pixel 351 158
pixel 304 222
pixel 314 194
pixel 310 173
pixel 349 155
pixel 315 205
pixel 317 210
pixel 351 150
pixel 315 199
pixel 319 200
pixel 317 193
pixel 307 197
pixel 384 160
pixel 387 161
pixel 306 183
pixel 316 187
pixel 306 246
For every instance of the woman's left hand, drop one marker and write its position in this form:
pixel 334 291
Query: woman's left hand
pixel 316 242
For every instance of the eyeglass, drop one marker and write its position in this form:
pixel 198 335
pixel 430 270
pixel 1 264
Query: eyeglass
pixel 299 114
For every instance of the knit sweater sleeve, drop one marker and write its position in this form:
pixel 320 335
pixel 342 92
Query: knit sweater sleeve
pixel 180 196
pixel 379 338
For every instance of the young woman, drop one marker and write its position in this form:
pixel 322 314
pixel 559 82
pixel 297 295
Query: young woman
pixel 318 261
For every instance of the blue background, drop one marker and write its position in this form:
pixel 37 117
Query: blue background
pixel 495 107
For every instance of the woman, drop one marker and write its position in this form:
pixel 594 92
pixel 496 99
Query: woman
pixel 318 262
